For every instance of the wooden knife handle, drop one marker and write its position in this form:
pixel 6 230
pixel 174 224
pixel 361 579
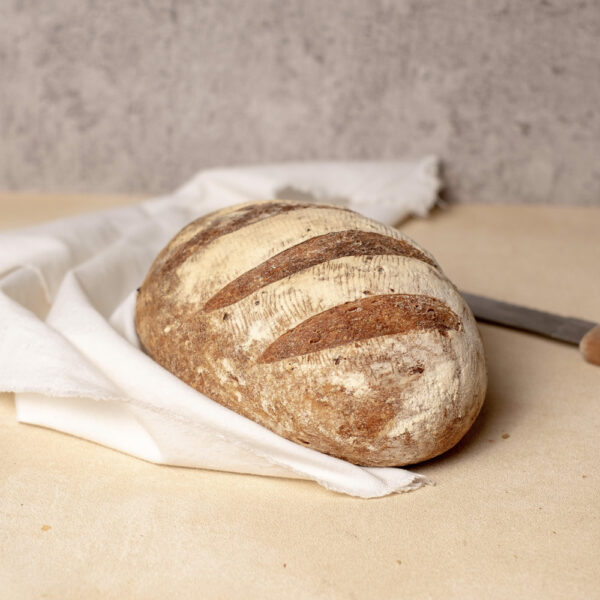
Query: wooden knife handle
pixel 590 345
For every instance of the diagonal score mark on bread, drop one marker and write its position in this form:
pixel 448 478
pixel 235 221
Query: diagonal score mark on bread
pixel 229 255
pixel 205 230
pixel 365 318
pixel 314 251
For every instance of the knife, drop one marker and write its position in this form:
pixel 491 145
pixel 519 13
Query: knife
pixel 584 334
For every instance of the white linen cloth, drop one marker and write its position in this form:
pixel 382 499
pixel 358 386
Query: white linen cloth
pixel 68 347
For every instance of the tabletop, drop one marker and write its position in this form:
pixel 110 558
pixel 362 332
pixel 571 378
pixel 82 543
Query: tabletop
pixel 514 512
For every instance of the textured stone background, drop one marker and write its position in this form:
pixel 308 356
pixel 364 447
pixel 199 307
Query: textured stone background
pixel 135 96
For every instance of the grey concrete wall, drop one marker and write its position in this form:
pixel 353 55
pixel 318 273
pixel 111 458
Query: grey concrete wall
pixel 135 96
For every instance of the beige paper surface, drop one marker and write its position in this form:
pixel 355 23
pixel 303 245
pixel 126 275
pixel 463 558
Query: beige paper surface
pixel 515 512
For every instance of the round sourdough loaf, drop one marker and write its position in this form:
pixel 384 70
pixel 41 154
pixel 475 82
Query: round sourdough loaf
pixel 328 328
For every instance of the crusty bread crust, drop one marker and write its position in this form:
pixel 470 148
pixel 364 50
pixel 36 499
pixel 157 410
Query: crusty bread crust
pixel 331 329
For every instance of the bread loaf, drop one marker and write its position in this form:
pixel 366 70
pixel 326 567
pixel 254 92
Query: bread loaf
pixel 328 328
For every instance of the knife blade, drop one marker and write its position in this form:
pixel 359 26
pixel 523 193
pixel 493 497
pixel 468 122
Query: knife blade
pixel 585 334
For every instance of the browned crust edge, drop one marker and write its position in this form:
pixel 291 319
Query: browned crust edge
pixel 362 319
pixel 309 253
